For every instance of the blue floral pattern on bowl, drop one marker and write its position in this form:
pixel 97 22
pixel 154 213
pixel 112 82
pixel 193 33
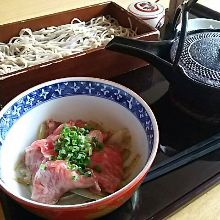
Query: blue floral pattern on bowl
pixel 72 88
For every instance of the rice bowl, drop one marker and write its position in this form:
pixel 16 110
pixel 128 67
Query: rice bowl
pixel 87 98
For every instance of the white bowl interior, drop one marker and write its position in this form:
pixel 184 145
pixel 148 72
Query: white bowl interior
pixel 24 131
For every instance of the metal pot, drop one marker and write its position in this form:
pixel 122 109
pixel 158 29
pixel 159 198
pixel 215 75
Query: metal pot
pixel 190 61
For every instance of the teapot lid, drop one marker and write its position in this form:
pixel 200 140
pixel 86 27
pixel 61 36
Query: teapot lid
pixel 200 57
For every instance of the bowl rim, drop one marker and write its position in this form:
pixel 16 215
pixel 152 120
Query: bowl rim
pixel 129 185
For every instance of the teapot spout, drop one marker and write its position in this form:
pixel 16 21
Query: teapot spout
pixel 156 53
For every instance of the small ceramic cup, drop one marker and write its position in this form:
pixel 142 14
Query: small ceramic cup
pixel 150 12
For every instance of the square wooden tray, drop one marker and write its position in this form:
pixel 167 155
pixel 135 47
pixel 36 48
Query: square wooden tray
pixel 95 62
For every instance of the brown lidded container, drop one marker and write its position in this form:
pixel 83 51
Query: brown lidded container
pixel 95 62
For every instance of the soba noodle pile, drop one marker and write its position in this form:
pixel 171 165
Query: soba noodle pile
pixel 35 47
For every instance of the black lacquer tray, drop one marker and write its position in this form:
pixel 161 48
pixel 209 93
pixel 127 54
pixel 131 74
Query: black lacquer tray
pixel 163 196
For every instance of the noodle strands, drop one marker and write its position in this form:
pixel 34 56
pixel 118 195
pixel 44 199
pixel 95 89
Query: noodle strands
pixel 35 47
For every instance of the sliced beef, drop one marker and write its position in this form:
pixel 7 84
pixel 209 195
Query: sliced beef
pixel 53 179
pixel 108 168
pixel 51 126
pixel 51 183
pixel 97 135
pixel 40 150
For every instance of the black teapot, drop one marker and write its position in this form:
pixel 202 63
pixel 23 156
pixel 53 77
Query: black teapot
pixel 190 61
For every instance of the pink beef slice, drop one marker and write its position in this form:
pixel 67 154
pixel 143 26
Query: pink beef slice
pixel 52 125
pixel 110 164
pixel 50 184
pixel 33 157
pixel 38 152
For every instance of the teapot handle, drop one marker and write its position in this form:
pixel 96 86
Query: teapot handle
pixel 183 11
pixel 175 21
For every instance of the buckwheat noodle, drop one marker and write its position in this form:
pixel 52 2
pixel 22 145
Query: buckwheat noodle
pixel 35 47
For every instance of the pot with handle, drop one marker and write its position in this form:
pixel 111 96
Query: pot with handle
pixel 190 62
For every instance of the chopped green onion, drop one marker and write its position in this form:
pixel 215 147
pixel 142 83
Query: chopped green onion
pixel 76 177
pixel 96 144
pixel 43 166
pixel 75 147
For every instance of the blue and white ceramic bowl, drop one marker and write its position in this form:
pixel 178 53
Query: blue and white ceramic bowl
pixel 75 98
